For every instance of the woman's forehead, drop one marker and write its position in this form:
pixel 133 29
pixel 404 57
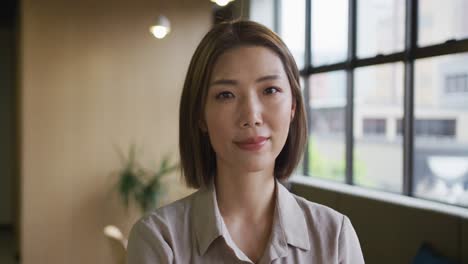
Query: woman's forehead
pixel 254 61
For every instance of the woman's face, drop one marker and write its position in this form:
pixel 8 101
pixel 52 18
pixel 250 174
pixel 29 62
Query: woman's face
pixel 248 109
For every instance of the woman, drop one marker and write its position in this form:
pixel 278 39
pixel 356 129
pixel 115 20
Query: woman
pixel 242 130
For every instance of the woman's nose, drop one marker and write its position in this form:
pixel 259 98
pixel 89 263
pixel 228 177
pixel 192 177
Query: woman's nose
pixel 250 113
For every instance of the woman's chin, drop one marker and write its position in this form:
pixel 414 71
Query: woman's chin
pixel 255 165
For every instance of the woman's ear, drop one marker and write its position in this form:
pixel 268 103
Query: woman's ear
pixel 293 109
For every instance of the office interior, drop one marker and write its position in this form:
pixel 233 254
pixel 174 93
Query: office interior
pixel 84 82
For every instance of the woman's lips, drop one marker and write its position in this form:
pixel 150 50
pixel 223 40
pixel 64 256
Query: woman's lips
pixel 252 144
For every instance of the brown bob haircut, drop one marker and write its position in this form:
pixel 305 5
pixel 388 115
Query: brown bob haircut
pixel 198 159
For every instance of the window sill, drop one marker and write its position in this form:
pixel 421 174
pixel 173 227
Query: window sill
pixel 381 196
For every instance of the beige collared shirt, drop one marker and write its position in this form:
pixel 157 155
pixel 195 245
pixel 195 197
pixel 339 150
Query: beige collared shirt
pixel 192 230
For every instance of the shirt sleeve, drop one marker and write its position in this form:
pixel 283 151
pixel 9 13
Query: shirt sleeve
pixel 349 248
pixel 146 245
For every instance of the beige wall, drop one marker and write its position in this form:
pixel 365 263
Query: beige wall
pixel 91 77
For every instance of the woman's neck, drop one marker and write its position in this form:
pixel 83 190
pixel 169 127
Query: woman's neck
pixel 248 197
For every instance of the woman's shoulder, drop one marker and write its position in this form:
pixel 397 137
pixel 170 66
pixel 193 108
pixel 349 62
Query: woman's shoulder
pixel 168 212
pixel 156 235
pixel 168 217
pixel 328 227
pixel 319 214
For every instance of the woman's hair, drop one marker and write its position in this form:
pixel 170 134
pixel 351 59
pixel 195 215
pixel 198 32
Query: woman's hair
pixel 198 159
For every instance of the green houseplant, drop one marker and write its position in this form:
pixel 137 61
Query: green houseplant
pixel 140 185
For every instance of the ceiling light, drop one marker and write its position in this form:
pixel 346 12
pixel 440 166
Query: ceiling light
pixel 161 28
pixel 222 2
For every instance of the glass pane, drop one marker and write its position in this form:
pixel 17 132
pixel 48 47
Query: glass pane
pixel 439 21
pixel 292 28
pixel 378 106
pixel 300 168
pixel 329 37
pixel 441 129
pixel 327 129
pixel 380 26
pixel 262 11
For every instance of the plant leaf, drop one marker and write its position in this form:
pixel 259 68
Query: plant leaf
pixel 128 183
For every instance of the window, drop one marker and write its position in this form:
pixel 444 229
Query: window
pixel 380 27
pixel 386 88
pixel 327 104
pixel 378 102
pixel 374 126
pixel 441 21
pixel 440 170
pixel 435 128
pixel 292 28
pixel 329 31
pixel 456 83
pixel 262 11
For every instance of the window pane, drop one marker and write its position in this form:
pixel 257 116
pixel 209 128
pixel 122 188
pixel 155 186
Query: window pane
pixel 380 26
pixel 378 106
pixel 441 129
pixel 329 37
pixel 300 168
pixel 292 28
pixel 327 128
pixel 262 11
pixel 439 21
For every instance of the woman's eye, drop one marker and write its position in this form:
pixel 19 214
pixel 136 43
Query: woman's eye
pixel 271 90
pixel 224 95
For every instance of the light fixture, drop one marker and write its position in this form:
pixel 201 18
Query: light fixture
pixel 113 231
pixel 222 2
pixel 161 28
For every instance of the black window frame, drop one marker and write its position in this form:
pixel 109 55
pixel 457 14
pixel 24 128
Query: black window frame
pixel 408 56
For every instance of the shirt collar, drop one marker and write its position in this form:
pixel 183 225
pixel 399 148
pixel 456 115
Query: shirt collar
pixel 292 218
pixel 289 225
pixel 207 221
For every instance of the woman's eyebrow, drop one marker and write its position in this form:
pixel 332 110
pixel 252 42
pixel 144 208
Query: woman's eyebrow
pixel 268 78
pixel 234 82
pixel 224 82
